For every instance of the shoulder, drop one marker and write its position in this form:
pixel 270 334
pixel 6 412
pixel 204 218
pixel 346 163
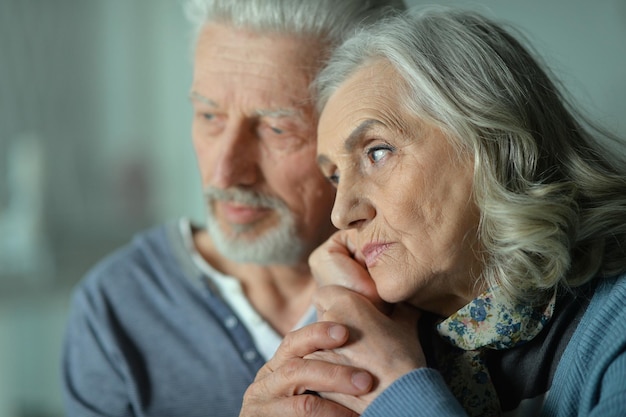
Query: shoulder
pixel 595 357
pixel 145 246
pixel 145 264
pixel 608 306
pixel 604 320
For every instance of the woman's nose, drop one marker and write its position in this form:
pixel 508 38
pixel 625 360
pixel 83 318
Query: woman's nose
pixel 351 209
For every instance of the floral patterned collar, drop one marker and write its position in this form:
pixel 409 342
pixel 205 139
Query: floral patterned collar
pixel 490 321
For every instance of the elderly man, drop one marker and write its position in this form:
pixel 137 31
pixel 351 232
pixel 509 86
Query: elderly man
pixel 178 322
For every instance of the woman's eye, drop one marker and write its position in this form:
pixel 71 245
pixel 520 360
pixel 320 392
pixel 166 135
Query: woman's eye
pixel 376 154
pixel 277 130
pixel 333 179
pixel 208 116
pixel 332 175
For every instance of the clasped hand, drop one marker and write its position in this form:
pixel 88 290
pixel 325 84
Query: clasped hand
pixel 359 346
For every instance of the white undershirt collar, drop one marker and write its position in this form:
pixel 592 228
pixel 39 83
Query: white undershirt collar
pixel 265 337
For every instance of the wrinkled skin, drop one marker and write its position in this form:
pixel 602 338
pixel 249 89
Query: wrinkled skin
pixel 331 358
pixel 407 242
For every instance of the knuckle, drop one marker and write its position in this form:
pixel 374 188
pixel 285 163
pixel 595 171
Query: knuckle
pixel 288 346
pixel 263 372
pixel 250 397
pixel 315 257
pixel 334 373
pixel 291 369
pixel 306 405
pixel 334 300
pixel 325 297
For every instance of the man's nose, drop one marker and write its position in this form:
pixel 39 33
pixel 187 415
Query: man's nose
pixel 236 160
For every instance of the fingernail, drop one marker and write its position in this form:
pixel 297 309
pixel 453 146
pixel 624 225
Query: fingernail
pixel 362 380
pixel 337 332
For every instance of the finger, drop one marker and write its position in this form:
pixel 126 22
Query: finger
pixel 339 262
pixel 342 301
pixel 297 376
pixel 297 406
pixel 347 239
pixel 306 340
pixel 314 406
pixel 315 336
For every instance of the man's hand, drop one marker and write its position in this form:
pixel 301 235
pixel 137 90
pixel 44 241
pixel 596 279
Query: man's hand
pixel 330 358
pixel 387 346
pixel 383 337
pixel 285 386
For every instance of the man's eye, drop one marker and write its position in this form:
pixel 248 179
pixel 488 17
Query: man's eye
pixel 208 116
pixel 269 130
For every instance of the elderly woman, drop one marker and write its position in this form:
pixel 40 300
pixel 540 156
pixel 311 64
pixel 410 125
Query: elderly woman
pixel 480 264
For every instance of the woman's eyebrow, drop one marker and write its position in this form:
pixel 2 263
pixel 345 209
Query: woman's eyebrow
pixel 357 133
pixel 352 139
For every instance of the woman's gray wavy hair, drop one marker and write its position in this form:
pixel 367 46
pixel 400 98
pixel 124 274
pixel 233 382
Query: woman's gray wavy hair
pixel 552 200
pixel 326 20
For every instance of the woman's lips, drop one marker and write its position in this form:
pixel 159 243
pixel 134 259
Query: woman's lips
pixel 240 214
pixel 372 251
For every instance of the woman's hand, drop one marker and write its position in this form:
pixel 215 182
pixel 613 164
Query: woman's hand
pixel 284 386
pixel 357 331
pixel 386 346
pixel 338 262
pixel 383 338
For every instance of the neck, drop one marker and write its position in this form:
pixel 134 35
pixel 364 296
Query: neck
pixel 281 294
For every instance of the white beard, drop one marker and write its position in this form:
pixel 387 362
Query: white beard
pixel 279 245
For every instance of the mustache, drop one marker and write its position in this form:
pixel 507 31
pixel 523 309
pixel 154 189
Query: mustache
pixel 242 196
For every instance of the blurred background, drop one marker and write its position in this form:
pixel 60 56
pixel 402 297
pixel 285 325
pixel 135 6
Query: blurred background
pixel 95 145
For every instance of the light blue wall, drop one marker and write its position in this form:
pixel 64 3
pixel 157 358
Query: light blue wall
pixel 94 145
pixel 100 88
pixel 583 42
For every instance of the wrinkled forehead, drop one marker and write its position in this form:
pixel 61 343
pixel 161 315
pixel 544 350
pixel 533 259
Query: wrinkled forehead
pixel 372 92
pixel 241 47
pixel 244 61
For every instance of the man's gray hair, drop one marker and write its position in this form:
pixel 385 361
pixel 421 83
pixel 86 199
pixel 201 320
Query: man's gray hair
pixel 324 20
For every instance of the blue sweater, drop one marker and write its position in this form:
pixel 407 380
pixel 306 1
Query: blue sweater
pixel 148 336
pixel 590 380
